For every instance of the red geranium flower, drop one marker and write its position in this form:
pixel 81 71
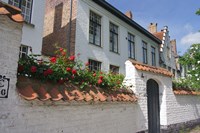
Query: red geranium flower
pixel 61 49
pixel 87 64
pixel 72 58
pixel 45 73
pixel 94 75
pixel 61 81
pixel 20 68
pixel 50 71
pixel 63 53
pixel 99 81
pixel 101 77
pixel 33 69
pixel 68 69
pixel 74 71
pixel 53 59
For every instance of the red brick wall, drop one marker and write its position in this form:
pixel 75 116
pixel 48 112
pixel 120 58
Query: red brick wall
pixel 57 26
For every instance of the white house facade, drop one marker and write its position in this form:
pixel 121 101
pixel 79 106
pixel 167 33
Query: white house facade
pixel 108 48
pixel 33 13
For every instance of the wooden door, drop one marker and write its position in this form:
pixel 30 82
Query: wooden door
pixel 153 106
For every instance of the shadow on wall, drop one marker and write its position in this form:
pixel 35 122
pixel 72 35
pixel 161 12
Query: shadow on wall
pixel 60 35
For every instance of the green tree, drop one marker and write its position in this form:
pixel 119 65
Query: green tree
pixel 191 59
pixel 198 12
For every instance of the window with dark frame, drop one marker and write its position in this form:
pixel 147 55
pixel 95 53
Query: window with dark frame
pixel 144 51
pixel 131 46
pixel 114 69
pixel 95 29
pixel 153 56
pixel 113 38
pixel 25 6
pixel 23 51
pixel 94 65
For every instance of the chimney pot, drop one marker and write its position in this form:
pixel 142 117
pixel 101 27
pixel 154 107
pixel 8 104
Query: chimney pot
pixel 152 27
pixel 129 14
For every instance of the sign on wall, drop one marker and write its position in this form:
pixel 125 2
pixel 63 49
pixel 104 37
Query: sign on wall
pixel 4 86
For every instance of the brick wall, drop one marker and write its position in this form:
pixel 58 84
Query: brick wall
pixel 57 26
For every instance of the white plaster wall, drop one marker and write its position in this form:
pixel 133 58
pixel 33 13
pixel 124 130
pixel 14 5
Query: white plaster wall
pixel 182 108
pixel 20 116
pixel 103 54
pixel 32 33
pixel 139 87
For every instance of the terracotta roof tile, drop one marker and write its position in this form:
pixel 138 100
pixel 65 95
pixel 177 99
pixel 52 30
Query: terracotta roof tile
pixel 159 35
pixel 31 89
pixel 185 92
pixel 148 68
pixel 12 12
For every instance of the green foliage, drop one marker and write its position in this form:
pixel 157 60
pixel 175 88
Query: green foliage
pixel 191 59
pixel 62 69
pixel 198 12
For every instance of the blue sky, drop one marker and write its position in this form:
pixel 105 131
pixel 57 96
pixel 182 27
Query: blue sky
pixel 178 15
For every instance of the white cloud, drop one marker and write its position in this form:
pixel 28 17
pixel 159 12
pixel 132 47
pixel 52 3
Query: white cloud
pixel 190 38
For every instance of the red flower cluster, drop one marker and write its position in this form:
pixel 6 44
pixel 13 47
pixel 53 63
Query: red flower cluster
pixel 48 72
pixel 20 68
pixel 53 59
pixel 33 69
pixel 100 80
pixel 72 58
pixel 68 69
pixel 74 71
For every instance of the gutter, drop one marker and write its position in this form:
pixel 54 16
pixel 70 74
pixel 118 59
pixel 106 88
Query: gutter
pixel 69 31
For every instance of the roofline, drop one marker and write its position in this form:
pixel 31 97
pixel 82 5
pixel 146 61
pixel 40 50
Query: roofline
pixel 124 18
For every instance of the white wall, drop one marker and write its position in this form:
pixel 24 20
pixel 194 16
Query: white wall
pixel 139 87
pixel 182 108
pixel 103 54
pixel 32 33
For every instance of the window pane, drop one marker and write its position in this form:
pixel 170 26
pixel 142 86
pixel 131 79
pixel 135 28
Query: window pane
pixel 95 29
pixel 114 69
pixel 94 65
pixel 113 38
pixel 25 6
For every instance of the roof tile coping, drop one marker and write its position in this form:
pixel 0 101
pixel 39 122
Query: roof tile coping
pixel 179 91
pixel 31 89
pixel 148 68
pixel 12 12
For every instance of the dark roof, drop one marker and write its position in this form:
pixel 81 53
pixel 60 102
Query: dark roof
pixel 12 12
pixel 124 18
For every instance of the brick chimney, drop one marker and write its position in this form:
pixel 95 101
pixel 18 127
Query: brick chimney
pixel 152 28
pixel 129 14
pixel 173 44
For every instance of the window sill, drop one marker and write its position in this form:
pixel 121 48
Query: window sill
pixel 95 45
pixel 29 24
pixel 115 52
pixel 132 58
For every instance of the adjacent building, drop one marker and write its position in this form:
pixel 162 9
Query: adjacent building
pixel 168 51
pixel 33 13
